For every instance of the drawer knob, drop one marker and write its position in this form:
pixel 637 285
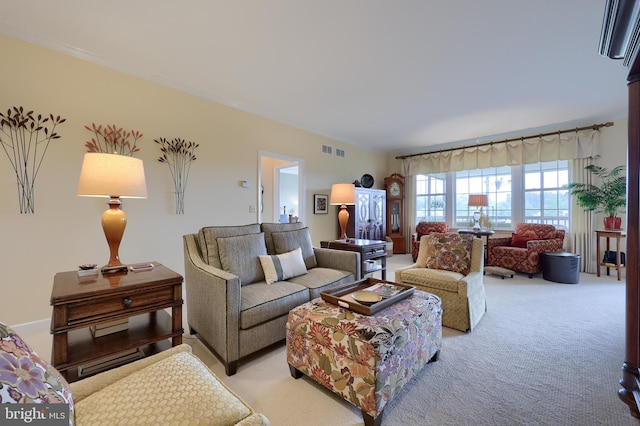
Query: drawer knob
pixel 127 302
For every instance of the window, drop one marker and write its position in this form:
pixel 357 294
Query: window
pixel 545 201
pixel 496 183
pixel 527 193
pixel 430 197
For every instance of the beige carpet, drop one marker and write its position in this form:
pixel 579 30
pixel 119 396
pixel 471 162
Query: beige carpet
pixel 543 354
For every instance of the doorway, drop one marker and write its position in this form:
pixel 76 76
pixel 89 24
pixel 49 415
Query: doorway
pixel 281 187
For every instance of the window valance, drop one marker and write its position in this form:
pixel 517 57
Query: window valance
pixel 549 147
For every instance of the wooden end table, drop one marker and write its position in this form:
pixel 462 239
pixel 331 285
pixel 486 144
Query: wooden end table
pixel 480 233
pixel 141 297
pixel 610 233
pixel 368 249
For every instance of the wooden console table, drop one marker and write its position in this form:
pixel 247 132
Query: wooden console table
pixel 140 297
pixel 368 249
pixel 610 233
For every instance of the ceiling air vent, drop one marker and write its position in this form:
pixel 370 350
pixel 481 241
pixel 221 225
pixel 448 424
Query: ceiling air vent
pixel 326 149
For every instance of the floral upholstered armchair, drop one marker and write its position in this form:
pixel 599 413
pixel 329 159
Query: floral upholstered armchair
pixel 425 228
pixel 521 252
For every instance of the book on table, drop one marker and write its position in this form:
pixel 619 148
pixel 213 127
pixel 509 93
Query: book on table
pixel 385 289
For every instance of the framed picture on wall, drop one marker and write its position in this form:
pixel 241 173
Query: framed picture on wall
pixel 320 204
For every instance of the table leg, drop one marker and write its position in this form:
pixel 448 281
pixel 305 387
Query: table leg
pixel 598 253
pixel 618 257
pixel 383 262
pixel 608 249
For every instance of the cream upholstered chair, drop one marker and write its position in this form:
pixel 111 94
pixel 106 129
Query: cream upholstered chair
pixel 450 266
pixel 170 387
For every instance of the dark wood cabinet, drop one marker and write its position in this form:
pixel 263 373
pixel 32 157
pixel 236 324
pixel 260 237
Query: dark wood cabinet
pixel 368 249
pixel 622 17
pixel 367 218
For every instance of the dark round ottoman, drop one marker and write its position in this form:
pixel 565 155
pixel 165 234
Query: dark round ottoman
pixel 561 267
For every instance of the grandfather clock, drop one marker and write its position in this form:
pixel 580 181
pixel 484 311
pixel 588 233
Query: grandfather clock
pixel 394 185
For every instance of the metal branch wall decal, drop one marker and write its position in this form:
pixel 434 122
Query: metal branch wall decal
pixel 112 140
pixel 178 155
pixel 25 138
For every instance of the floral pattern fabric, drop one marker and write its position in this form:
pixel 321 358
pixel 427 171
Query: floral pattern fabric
pixel 425 228
pixel 365 359
pixel 503 253
pixel 447 252
pixel 27 378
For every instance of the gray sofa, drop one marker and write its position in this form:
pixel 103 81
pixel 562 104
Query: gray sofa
pixel 231 307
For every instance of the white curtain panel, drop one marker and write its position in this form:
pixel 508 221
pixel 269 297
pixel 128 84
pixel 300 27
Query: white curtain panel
pixel 561 146
pixel 582 237
pixel 410 211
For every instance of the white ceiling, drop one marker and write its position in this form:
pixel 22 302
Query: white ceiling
pixel 395 77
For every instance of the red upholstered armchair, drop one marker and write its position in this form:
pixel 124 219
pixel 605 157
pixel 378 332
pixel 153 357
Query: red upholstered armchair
pixel 521 251
pixel 425 228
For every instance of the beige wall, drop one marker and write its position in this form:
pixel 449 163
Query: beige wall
pixel 65 230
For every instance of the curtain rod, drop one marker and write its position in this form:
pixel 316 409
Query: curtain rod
pixel 539 135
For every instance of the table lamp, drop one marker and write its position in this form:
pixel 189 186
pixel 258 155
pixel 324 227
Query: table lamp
pixel 480 201
pixel 114 176
pixel 343 194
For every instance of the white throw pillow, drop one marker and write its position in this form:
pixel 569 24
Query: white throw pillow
pixel 283 266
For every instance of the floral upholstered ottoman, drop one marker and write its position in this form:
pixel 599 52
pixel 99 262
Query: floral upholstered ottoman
pixel 364 359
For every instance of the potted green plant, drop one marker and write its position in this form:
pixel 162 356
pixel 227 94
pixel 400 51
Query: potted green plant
pixel 608 198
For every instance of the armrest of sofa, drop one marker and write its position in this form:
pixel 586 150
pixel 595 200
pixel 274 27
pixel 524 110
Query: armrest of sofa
pixel 213 301
pixel 540 246
pixel 338 259
pixel 85 387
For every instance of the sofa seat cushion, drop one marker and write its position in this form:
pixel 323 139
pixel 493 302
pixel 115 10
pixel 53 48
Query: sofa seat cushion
pixel 432 278
pixel 178 389
pixel 262 302
pixel 208 236
pixel 322 279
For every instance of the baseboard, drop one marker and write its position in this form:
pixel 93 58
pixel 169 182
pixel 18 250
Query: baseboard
pixel 33 326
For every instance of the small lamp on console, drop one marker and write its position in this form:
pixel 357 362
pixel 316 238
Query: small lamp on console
pixel 480 201
pixel 343 194
pixel 114 176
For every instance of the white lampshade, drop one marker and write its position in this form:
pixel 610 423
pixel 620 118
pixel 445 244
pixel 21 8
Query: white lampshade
pixel 112 175
pixel 343 193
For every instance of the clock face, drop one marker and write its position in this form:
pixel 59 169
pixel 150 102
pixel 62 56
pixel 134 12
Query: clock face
pixel 394 189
